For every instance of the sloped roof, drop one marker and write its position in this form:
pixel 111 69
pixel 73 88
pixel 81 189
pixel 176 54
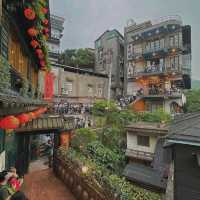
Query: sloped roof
pixel 185 129
pixel 144 175
pixel 47 124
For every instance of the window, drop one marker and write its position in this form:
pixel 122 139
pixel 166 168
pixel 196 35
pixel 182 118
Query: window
pixel 129 51
pixel 100 54
pixel 143 141
pixel 137 49
pixel 174 41
pixel 67 87
pixel 90 90
pixel 174 62
pixel 99 92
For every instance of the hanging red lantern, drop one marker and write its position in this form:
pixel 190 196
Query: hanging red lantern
pixel 32 32
pixel 23 118
pixel 41 56
pixel 29 14
pixel 45 21
pixel 38 51
pixel 44 10
pixel 45 30
pixel 9 122
pixel 42 63
pixel 34 43
pixel 31 115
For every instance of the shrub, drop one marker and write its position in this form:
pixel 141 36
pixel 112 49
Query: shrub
pixel 82 137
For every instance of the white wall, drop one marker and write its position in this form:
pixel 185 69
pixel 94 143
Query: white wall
pixel 132 143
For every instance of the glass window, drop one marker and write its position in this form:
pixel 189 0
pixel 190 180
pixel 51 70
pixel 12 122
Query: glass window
pixel 157 44
pixel 67 87
pixel 174 62
pixel 162 43
pixel 143 141
pixel 176 42
pixel 171 41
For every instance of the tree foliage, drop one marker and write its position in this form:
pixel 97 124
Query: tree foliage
pixel 80 57
pixel 193 101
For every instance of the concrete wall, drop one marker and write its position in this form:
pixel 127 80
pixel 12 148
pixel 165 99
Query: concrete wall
pixel 132 143
pixel 84 85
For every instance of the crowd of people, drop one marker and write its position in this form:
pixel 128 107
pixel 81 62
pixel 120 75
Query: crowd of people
pixel 71 108
pixel 10 185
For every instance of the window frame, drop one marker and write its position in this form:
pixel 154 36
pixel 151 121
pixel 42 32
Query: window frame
pixel 141 140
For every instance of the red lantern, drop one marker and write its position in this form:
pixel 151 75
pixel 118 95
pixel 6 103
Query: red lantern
pixel 44 10
pixel 41 56
pixel 42 63
pixel 38 51
pixel 32 32
pixel 45 30
pixel 29 14
pixel 34 43
pixel 31 115
pixel 23 118
pixel 9 122
pixel 45 21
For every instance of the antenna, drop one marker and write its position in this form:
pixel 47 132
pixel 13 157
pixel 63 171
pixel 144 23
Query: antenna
pixel 130 22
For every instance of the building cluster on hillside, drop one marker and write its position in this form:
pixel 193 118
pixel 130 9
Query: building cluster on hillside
pixel 149 67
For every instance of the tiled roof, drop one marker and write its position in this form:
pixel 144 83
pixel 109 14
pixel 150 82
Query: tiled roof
pixel 185 129
pixel 48 123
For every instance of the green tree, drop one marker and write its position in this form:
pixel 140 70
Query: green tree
pixel 80 57
pixel 193 101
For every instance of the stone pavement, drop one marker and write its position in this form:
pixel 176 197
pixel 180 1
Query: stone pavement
pixel 43 185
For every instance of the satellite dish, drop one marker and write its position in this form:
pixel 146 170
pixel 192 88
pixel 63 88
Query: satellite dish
pixel 130 22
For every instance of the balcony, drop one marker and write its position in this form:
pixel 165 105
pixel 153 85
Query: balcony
pixel 139 155
pixel 153 70
pixel 159 92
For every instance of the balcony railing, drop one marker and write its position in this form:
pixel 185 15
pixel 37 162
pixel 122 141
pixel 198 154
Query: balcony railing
pixel 155 70
pixel 139 155
pixel 159 92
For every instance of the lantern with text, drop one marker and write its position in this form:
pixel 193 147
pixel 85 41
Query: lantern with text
pixel 9 122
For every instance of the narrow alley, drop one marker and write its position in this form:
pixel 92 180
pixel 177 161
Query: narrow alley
pixel 43 185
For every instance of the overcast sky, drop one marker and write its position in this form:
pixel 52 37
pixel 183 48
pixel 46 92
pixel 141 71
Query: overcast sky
pixel 87 19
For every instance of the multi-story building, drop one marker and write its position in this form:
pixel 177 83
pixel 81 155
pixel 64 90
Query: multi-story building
pixel 57 27
pixel 76 85
pixel 109 59
pixel 158 63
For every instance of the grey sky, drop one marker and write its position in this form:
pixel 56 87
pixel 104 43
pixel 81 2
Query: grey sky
pixel 87 19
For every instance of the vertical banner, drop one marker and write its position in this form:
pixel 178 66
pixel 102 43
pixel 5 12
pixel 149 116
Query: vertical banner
pixel 49 86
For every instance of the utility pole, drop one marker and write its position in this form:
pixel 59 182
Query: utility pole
pixel 110 62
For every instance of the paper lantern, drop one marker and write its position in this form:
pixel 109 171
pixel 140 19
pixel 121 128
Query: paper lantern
pixel 31 115
pixel 32 32
pixel 34 43
pixel 45 30
pixel 38 51
pixel 29 14
pixel 41 56
pixel 45 21
pixel 23 118
pixel 9 122
pixel 42 63
pixel 44 10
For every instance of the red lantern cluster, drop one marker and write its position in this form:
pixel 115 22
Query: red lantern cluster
pixel 29 13
pixel 12 122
